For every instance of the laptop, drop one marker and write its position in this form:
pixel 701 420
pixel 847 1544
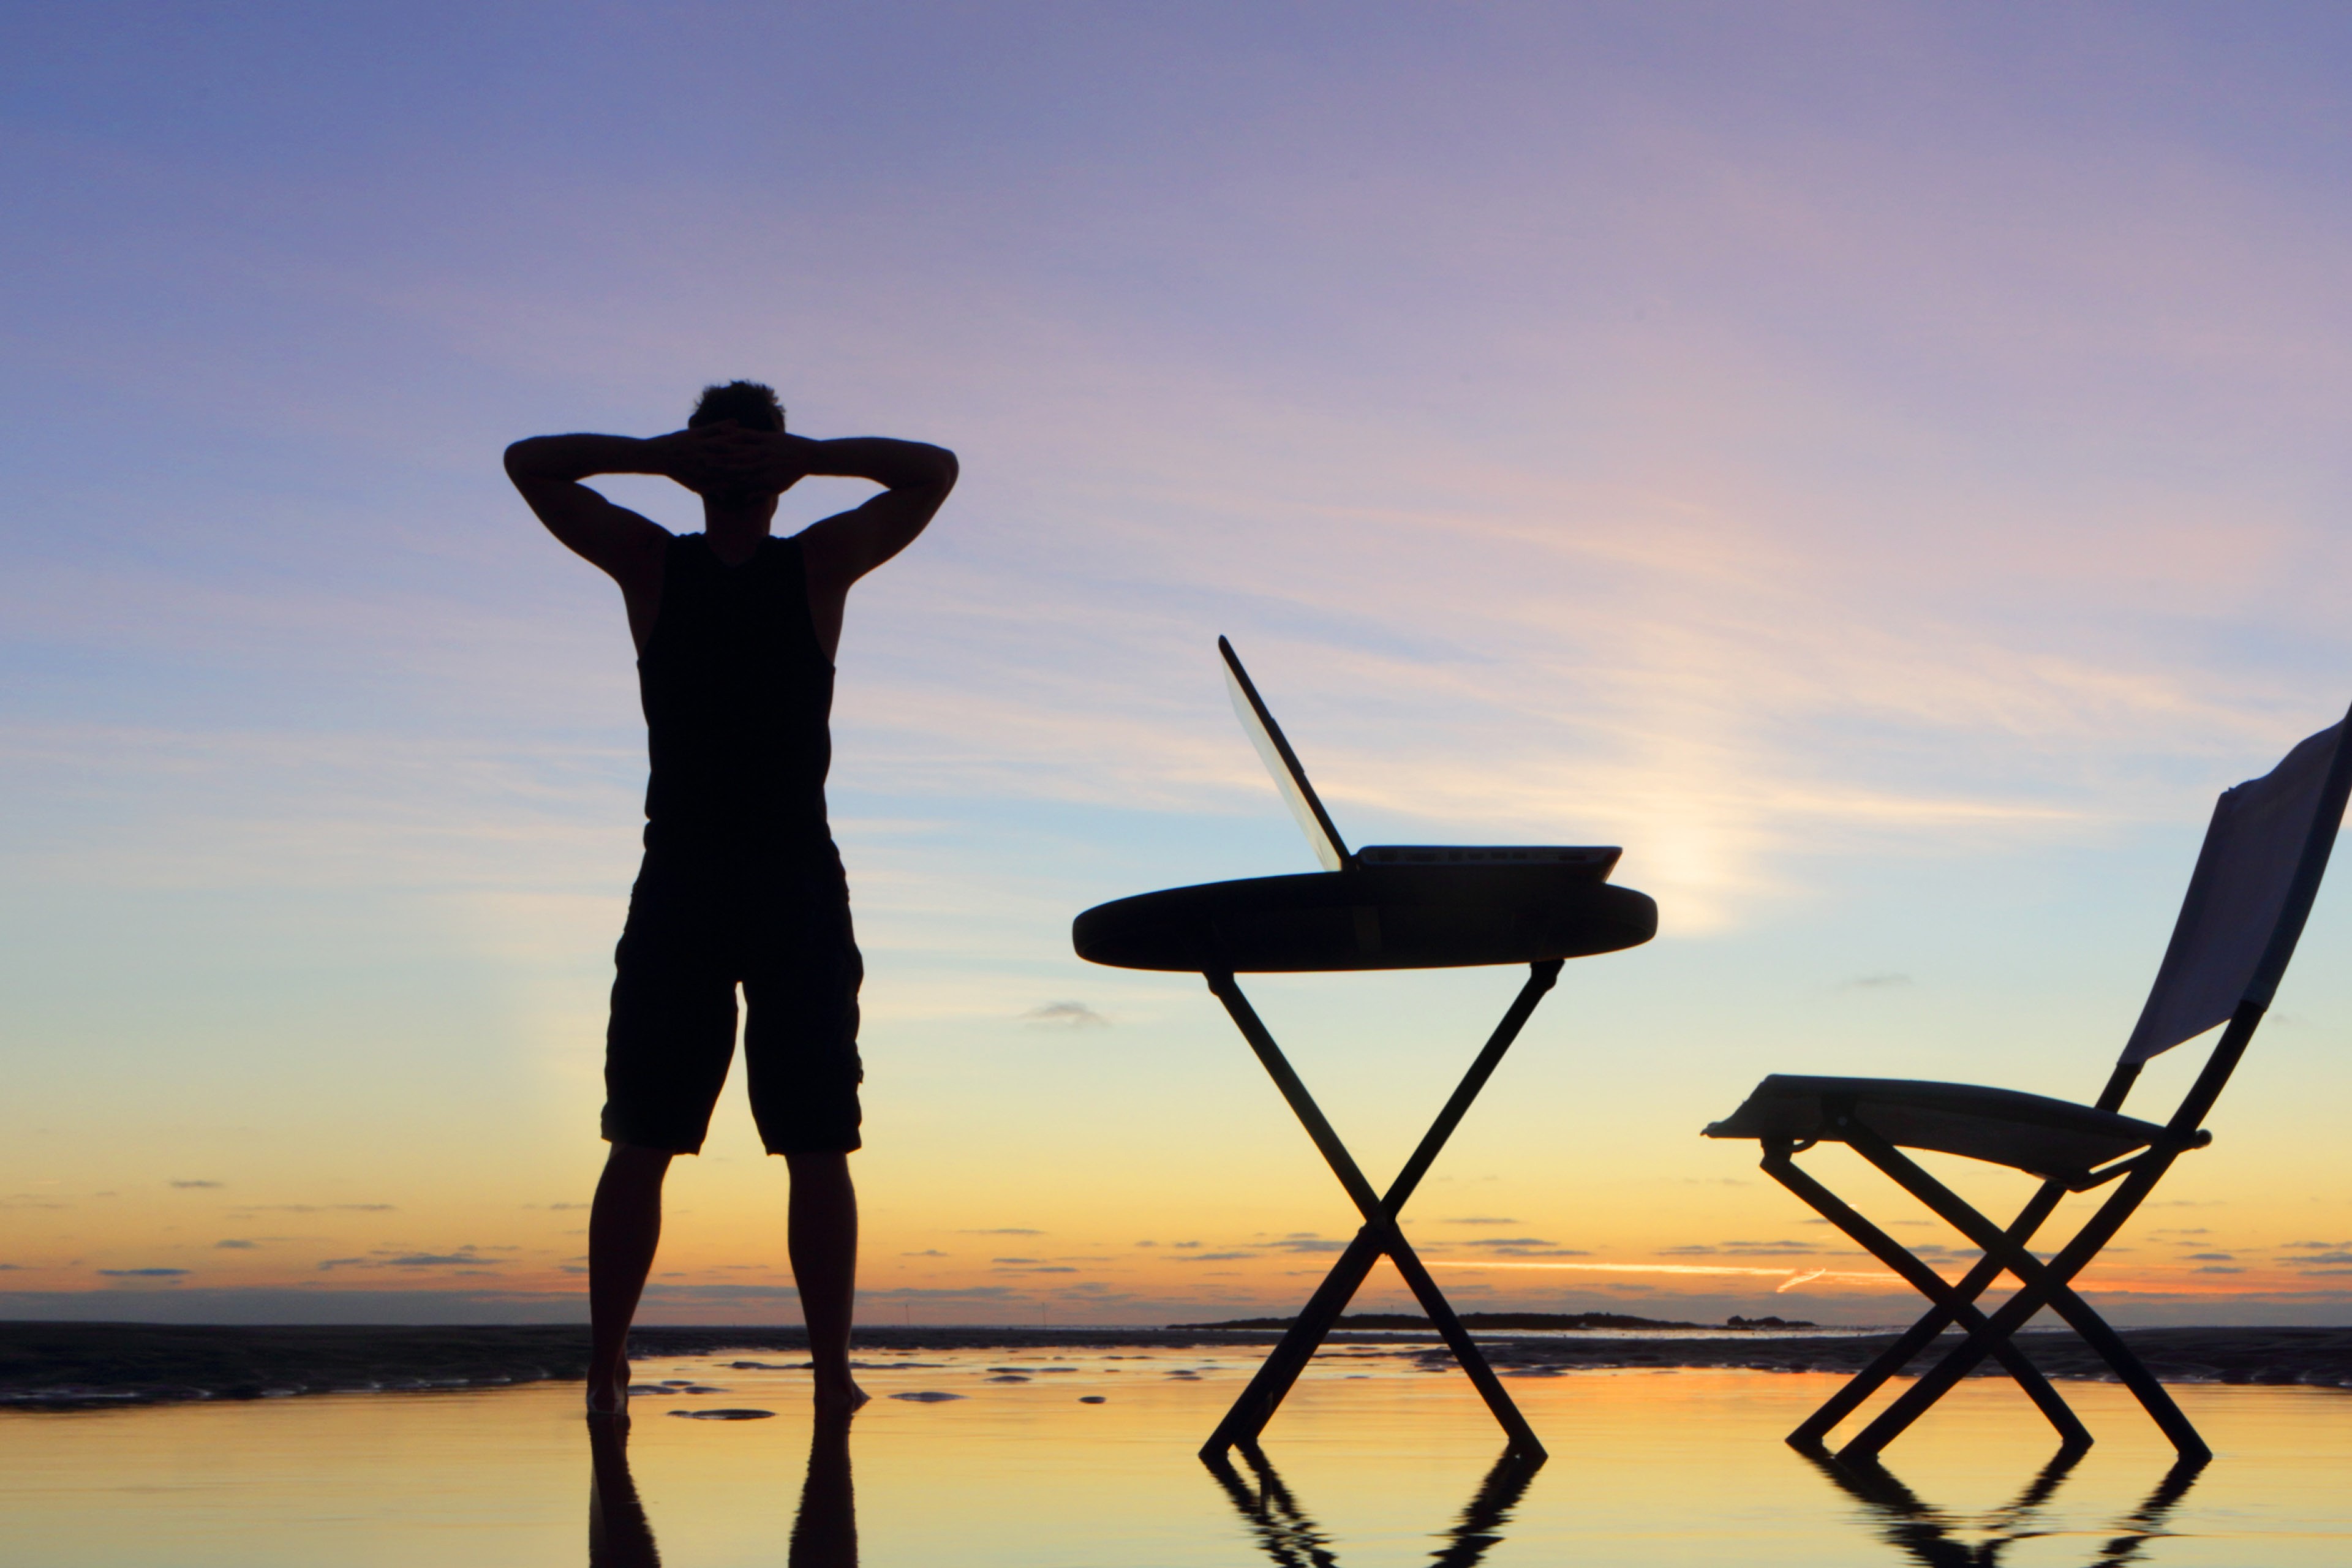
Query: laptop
pixel 1331 850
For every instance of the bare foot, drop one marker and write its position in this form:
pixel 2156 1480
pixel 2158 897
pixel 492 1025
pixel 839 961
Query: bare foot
pixel 608 1396
pixel 841 1398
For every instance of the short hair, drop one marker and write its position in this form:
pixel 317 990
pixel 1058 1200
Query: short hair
pixel 747 402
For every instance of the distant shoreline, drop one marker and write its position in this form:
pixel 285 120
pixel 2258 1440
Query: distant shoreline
pixel 89 1366
pixel 1530 1322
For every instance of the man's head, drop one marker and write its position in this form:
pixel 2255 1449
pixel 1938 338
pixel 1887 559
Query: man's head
pixel 752 406
pixel 747 402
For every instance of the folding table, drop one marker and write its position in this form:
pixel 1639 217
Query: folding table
pixel 1412 906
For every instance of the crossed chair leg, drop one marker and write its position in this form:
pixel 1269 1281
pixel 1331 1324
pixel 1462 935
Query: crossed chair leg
pixel 1952 1302
pixel 1379 1235
pixel 2040 1285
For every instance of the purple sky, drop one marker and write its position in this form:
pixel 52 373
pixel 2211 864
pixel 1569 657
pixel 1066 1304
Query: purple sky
pixel 1882 465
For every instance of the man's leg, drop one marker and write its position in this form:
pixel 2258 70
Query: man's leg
pixel 623 1228
pixel 824 1246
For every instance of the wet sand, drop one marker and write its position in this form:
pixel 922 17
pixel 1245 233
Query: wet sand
pixel 63 1366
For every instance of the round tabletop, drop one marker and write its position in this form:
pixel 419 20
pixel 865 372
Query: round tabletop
pixel 1369 917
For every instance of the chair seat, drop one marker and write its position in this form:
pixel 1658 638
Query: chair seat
pixel 2055 1139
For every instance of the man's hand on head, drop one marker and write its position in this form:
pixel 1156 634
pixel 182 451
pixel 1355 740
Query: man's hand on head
pixel 694 458
pixel 728 459
pixel 769 462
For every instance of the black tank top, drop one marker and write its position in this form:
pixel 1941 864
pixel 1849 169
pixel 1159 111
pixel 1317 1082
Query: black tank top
pixel 737 696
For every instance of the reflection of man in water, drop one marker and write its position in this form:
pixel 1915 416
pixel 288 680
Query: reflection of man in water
pixel 736 632
pixel 825 1531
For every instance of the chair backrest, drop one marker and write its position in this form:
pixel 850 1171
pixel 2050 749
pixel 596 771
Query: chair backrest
pixel 2252 889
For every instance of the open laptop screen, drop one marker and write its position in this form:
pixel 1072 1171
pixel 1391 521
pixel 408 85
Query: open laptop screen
pixel 1282 764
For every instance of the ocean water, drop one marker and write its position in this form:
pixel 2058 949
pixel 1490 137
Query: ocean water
pixel 1371 1462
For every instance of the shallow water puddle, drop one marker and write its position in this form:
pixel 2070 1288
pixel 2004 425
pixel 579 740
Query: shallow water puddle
pixel 1371 1462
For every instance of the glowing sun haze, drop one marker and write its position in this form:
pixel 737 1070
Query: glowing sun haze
pixel 1882 465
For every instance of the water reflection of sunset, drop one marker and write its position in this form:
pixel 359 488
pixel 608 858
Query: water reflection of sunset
pixel 1369 1460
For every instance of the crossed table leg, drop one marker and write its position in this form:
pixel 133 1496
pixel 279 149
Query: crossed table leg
pixel 1379 1235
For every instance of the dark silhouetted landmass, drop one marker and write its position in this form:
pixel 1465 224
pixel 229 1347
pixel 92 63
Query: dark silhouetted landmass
pixel 1511 1323
pixel 84 1366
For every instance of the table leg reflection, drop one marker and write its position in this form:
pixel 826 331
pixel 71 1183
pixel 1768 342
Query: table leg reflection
pixel 1934 1536
pixel 1290 1537
pixel 825 1531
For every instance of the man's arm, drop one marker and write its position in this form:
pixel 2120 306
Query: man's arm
pixel 916 478
pixel 547 469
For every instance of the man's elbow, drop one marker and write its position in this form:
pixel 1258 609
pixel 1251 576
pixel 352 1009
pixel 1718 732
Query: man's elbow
pixel 518 459
pixel 944 469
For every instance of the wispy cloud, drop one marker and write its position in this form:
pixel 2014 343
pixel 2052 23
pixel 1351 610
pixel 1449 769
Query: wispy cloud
pixel 1065 1014
pixel 1790 1279
pixel 1742 1249
pixel 465 1258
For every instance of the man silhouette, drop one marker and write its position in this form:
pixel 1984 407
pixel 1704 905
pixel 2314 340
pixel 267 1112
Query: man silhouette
pixel 736 633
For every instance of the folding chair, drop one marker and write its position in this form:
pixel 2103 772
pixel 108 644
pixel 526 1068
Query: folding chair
pixel 2255 878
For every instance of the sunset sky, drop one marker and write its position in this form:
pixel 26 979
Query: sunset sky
pixel 1882 465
